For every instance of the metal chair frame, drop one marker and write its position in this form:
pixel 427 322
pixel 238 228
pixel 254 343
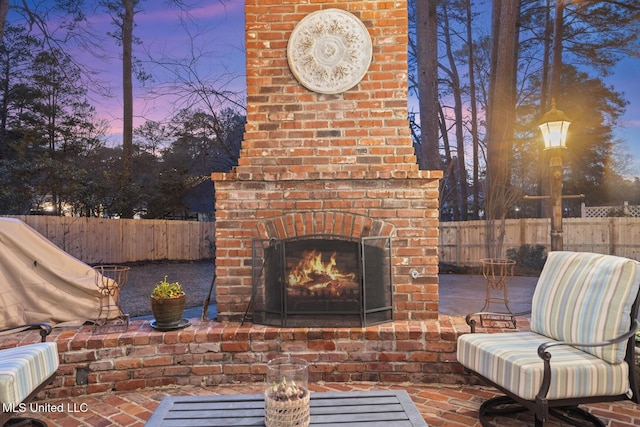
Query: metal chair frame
pixel 566 410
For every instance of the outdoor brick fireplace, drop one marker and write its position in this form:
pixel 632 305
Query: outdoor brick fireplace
pixel 318 174
pixel 314 166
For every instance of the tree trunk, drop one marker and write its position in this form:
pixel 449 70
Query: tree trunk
pixel 544 99
pixel 544 84
pixel 4 9
pixel 502 101
pixel 127 96
pixel 427 61
pixel 4 109
pixel 461 182
pixel 501 116
pixel 474 115
pixel 556 60
pixel 449 180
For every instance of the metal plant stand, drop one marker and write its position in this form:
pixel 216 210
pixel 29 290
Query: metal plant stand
pixel 109 280
pixel 498 272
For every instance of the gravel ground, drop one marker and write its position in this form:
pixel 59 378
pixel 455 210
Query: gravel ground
pixel 195 277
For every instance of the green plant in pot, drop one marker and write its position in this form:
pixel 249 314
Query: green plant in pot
pixel 167 303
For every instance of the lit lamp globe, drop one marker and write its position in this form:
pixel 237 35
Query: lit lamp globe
pixel 554 126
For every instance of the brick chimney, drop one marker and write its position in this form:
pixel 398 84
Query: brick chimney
pixel 336 163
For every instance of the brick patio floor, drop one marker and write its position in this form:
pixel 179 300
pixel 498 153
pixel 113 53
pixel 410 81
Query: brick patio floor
pixel 440 405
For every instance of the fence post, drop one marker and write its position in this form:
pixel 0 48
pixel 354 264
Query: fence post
pixel 612 243
pixel 458 245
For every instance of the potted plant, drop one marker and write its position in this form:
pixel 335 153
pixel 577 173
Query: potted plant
pixel 167 304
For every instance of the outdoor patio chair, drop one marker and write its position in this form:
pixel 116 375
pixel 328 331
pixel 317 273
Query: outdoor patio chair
pixel 580 347
pixel 24 372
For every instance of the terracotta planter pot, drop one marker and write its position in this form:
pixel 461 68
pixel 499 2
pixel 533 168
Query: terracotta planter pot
pixel 168 311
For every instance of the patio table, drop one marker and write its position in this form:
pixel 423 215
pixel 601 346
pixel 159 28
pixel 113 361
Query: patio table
pixel 347 409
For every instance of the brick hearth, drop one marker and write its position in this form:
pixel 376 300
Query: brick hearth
pixel 338 164
pixel 211 353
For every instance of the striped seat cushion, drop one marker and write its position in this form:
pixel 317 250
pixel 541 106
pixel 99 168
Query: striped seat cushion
pixel 511 361
pixel 587 298
pixel 23 369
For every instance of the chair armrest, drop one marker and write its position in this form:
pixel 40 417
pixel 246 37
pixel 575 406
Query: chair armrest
pixel 542 349
pixel 546 356
pixel 45 329
pixel 471 321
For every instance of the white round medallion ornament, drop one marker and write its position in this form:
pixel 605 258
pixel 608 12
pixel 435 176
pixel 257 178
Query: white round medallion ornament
pixel 329 51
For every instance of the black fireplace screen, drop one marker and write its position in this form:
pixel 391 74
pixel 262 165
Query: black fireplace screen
pixel 322 280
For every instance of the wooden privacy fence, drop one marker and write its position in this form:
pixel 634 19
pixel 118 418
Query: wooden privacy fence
pixel 117 241
pixel 464 243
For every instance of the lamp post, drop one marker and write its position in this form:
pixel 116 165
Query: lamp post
pixel 554 126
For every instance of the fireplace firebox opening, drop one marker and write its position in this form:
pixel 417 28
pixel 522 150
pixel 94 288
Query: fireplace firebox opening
pixel 322 280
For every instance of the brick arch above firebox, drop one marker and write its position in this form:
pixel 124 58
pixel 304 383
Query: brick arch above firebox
pixel 325 222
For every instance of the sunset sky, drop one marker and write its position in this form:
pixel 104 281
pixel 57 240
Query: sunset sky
pixel 219 35
pixel 626 79
pixel 158 26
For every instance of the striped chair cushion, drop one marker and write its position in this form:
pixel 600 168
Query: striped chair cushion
pixel 585 297
pixel 23 369
pixel 511 361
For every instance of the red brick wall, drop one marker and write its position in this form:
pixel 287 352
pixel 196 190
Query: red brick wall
pixel 339 163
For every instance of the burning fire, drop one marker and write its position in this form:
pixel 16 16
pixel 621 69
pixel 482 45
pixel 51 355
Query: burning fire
pixel 314 274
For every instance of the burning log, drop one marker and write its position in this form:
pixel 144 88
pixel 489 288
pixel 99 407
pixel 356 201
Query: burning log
pixel 317 277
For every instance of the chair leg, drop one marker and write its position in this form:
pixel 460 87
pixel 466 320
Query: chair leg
pixel 576 416
pixel 505 406
pixel 498 406
pixel 24 422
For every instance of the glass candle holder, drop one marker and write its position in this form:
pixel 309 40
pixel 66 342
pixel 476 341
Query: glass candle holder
pixel 286 395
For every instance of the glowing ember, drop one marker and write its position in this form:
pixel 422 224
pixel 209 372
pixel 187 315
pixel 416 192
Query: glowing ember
pixel 314 274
